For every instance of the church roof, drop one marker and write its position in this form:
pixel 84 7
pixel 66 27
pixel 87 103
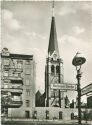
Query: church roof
pixel 53 44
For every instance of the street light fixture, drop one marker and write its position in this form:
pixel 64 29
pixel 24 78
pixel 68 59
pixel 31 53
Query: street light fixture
pixel 77 62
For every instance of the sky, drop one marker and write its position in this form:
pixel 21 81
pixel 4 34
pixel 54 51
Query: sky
pixel 26 30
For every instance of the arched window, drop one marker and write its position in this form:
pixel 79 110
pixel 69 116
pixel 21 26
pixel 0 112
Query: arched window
pixel 57 69
pixel 52 69
pixel 47 114
pixel 72 116
pixel 35 115
pixel 19 65
pixel 60 114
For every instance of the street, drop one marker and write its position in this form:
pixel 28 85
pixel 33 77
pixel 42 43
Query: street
pixel 43 122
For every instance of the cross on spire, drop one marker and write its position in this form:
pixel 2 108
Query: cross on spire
pixel 53 8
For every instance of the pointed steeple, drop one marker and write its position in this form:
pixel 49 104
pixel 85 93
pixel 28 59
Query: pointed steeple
pixel 53 43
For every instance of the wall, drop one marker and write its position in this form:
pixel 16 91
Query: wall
pixel 41 112
pixel 54 112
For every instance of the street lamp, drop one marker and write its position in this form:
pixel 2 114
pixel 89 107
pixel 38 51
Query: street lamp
pixel 77 62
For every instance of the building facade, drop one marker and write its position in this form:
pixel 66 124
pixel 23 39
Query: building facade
pixel 17 84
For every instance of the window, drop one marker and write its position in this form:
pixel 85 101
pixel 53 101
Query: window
pixel 19 74
pixel 11 73
pixel 27 71
pixel 47 114
pixel 27 82
pixel 56 94
pixel 52 69
pixel 16 74
pixel 16 98
pixel 16 86
pixel 19 65
pixel 27 103
pixel 57 69
pixel 15 63
pixel 35 115
pixel 6 73
pixel 6 62
pixel 52 94
pixel 5 85
pixel 27 62
pixel 60 114
pixel 72 116
pixel 28 92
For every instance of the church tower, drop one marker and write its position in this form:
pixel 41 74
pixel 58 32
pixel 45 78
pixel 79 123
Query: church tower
pixel 53 69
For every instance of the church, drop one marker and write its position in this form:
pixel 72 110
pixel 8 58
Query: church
pixel 52 104
pixel 54 76
pixel 53 70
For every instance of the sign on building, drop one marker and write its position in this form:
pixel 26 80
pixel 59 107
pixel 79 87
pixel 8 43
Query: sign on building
pixel 87 89
pixel 65 86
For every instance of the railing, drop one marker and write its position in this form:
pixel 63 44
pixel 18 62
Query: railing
pixel 16 102
pixel 11 78
pixel 16 69
pixel 16 91
pixel 13 104
pixel 13 90
pixel 6 67
pixel 17 87
pixel 15 78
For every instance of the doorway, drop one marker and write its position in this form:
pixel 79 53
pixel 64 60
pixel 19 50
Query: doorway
pixel 60 115
pixel 27 114
pixel 72 116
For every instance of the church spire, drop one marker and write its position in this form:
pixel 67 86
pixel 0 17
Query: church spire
pixel 53 43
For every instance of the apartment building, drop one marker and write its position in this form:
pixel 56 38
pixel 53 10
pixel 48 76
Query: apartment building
pixel 17 84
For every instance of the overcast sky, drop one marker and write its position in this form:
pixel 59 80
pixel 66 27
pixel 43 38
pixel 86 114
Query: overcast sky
pixel 26 29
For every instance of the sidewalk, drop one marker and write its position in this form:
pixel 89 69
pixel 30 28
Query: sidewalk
pixel 44 122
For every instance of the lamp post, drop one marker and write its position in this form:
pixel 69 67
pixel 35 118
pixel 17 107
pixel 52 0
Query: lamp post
pixel 77 62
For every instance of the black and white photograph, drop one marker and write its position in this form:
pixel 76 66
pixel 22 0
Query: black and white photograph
pixel 46 62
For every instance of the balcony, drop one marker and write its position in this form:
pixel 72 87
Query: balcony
pixel 3 92
pixel 16 69
pixel 9 100
pixel 15 78
pixel 19 70
pixel 13 104
pixel 4 77
pixel 6 67
pixel 13 90
pixel 16 91
pixel 16 81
